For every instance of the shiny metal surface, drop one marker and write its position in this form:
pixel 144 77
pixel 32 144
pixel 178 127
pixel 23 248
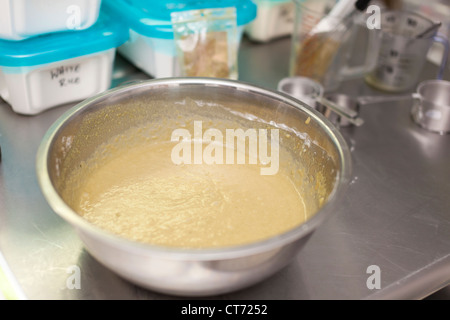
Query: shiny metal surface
pixel 177 271
pixel 395 215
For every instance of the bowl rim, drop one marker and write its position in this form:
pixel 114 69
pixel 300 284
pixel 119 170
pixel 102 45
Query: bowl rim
pixel 84 227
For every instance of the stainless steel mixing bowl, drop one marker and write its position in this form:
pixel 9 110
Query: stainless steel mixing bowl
pixel 192 272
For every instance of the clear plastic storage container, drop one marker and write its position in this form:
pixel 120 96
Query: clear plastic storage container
pixel 151 46
pixel 21 19
pixel 50 70
pixel 274 19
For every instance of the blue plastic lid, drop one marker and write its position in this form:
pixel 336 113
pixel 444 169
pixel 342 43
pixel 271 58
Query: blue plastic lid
pixel 152 18
pixel 103 35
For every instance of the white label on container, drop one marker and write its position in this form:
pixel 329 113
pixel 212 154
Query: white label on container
pixel 65 82
pixel 66 75
pixel 434 114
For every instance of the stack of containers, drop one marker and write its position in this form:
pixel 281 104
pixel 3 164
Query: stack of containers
pixel 151 46
pixel 274 19
pixel 55 52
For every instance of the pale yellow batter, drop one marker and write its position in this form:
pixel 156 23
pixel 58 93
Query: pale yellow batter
pixel 142 195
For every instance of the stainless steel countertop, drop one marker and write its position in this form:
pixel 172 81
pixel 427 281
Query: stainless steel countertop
pixel 396 214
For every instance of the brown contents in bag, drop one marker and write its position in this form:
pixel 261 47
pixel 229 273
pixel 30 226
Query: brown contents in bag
pixel 209 57
pixel 206 42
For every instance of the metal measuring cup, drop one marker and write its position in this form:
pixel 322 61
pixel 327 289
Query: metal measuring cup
pixel 430 104
pixel 311 92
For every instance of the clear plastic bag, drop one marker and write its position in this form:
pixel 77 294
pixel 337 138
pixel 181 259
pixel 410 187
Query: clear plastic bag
pixel 206 41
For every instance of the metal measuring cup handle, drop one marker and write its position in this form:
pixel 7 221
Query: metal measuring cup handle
pixel 365 100
pixel 348 114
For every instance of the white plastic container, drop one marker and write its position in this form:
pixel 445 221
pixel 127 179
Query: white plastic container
pixel 50 70
pixel 151 45
pixel 21 19
pixel 155 56
pixel 30 90
pixel 274 19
